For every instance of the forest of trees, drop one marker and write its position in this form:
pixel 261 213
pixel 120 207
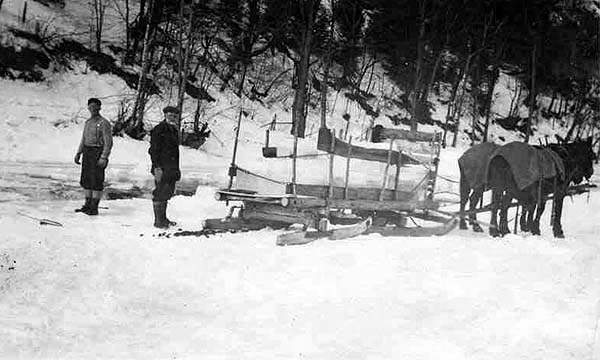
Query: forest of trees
pixel 253 47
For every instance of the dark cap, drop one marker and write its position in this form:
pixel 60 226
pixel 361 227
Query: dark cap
pixel 94 100
pixel 170 109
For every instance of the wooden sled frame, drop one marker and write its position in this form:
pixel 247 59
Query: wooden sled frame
pixel 313 206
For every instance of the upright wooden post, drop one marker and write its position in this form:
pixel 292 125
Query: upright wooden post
pixel 348 168
pixel 397 178
pixel 387 167
pixel 331 158
pixel 237 130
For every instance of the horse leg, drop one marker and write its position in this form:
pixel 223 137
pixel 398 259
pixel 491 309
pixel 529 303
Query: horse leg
pixel 464 195
pixel 526 210
pixel 504 229
pixel 535 225
pixel 496 199
pixel 473 201
pixel 558 206
pixel 527 216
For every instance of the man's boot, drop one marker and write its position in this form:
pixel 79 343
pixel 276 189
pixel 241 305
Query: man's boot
pixel 171 223
pixel 93 209
pixel 160 218
pixel 85 208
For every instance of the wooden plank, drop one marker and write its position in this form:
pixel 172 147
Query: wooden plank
pixel 274 216
pixel 340 148
pixel 310 202
pixel 408 205
pixel 226 195
pixel 354 193
pixel 270 212
pixel 408 135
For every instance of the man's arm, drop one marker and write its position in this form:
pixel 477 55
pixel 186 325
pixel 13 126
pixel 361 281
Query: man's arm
pixel 155 148
pixel 107 139
pixel 80 147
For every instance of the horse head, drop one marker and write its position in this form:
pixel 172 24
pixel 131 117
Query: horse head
pixel 581 159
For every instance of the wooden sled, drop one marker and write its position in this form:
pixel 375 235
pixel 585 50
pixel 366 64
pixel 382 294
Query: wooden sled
pixel 350 210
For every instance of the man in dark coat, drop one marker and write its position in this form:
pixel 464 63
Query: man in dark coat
pixel 164 153
pixel 95 146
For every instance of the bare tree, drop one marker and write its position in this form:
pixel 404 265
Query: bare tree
pixel 137 118
pixel 97 22
pixel 308 11
pixel 183 58
pixel 125 14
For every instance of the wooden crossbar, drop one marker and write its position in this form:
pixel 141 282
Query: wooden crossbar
pixel 350 193
pixel 340 148
pixel 408 135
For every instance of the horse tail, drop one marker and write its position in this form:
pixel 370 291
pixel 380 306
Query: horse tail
pixel 464 188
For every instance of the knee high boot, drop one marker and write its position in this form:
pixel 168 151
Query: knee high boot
pixel 93 209
pixel 169 222
pixel 86 206
pixel 160 217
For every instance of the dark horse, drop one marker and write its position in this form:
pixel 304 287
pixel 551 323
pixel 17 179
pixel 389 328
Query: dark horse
pixel 528 174
pixel 472 165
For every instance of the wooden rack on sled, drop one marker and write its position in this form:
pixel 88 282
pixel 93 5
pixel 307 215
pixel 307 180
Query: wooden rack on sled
pixel 336 212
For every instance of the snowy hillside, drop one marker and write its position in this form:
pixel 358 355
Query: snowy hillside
pixel 114 287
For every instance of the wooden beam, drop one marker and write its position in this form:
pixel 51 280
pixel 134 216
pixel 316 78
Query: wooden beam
pixel 353 193
pixel 407 135
pixel 340 148
pixel 387 167
pixel 374 205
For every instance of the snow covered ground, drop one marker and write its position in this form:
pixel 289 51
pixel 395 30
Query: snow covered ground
pixel 114 287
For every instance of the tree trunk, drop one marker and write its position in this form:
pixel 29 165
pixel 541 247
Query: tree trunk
pixel 451 105
pixel 489 101
pixel 127 31
pixel 416 106
pixel 24 14
pixel 532 94
pixel 458 109
pixel 436 65
pixel 98 14
pixel 142 18
pixel 184 63
pixel 577 119
pixel 514 100
pixel 475 94
pixel 326 73
pixel 139 105
pixel 298 113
